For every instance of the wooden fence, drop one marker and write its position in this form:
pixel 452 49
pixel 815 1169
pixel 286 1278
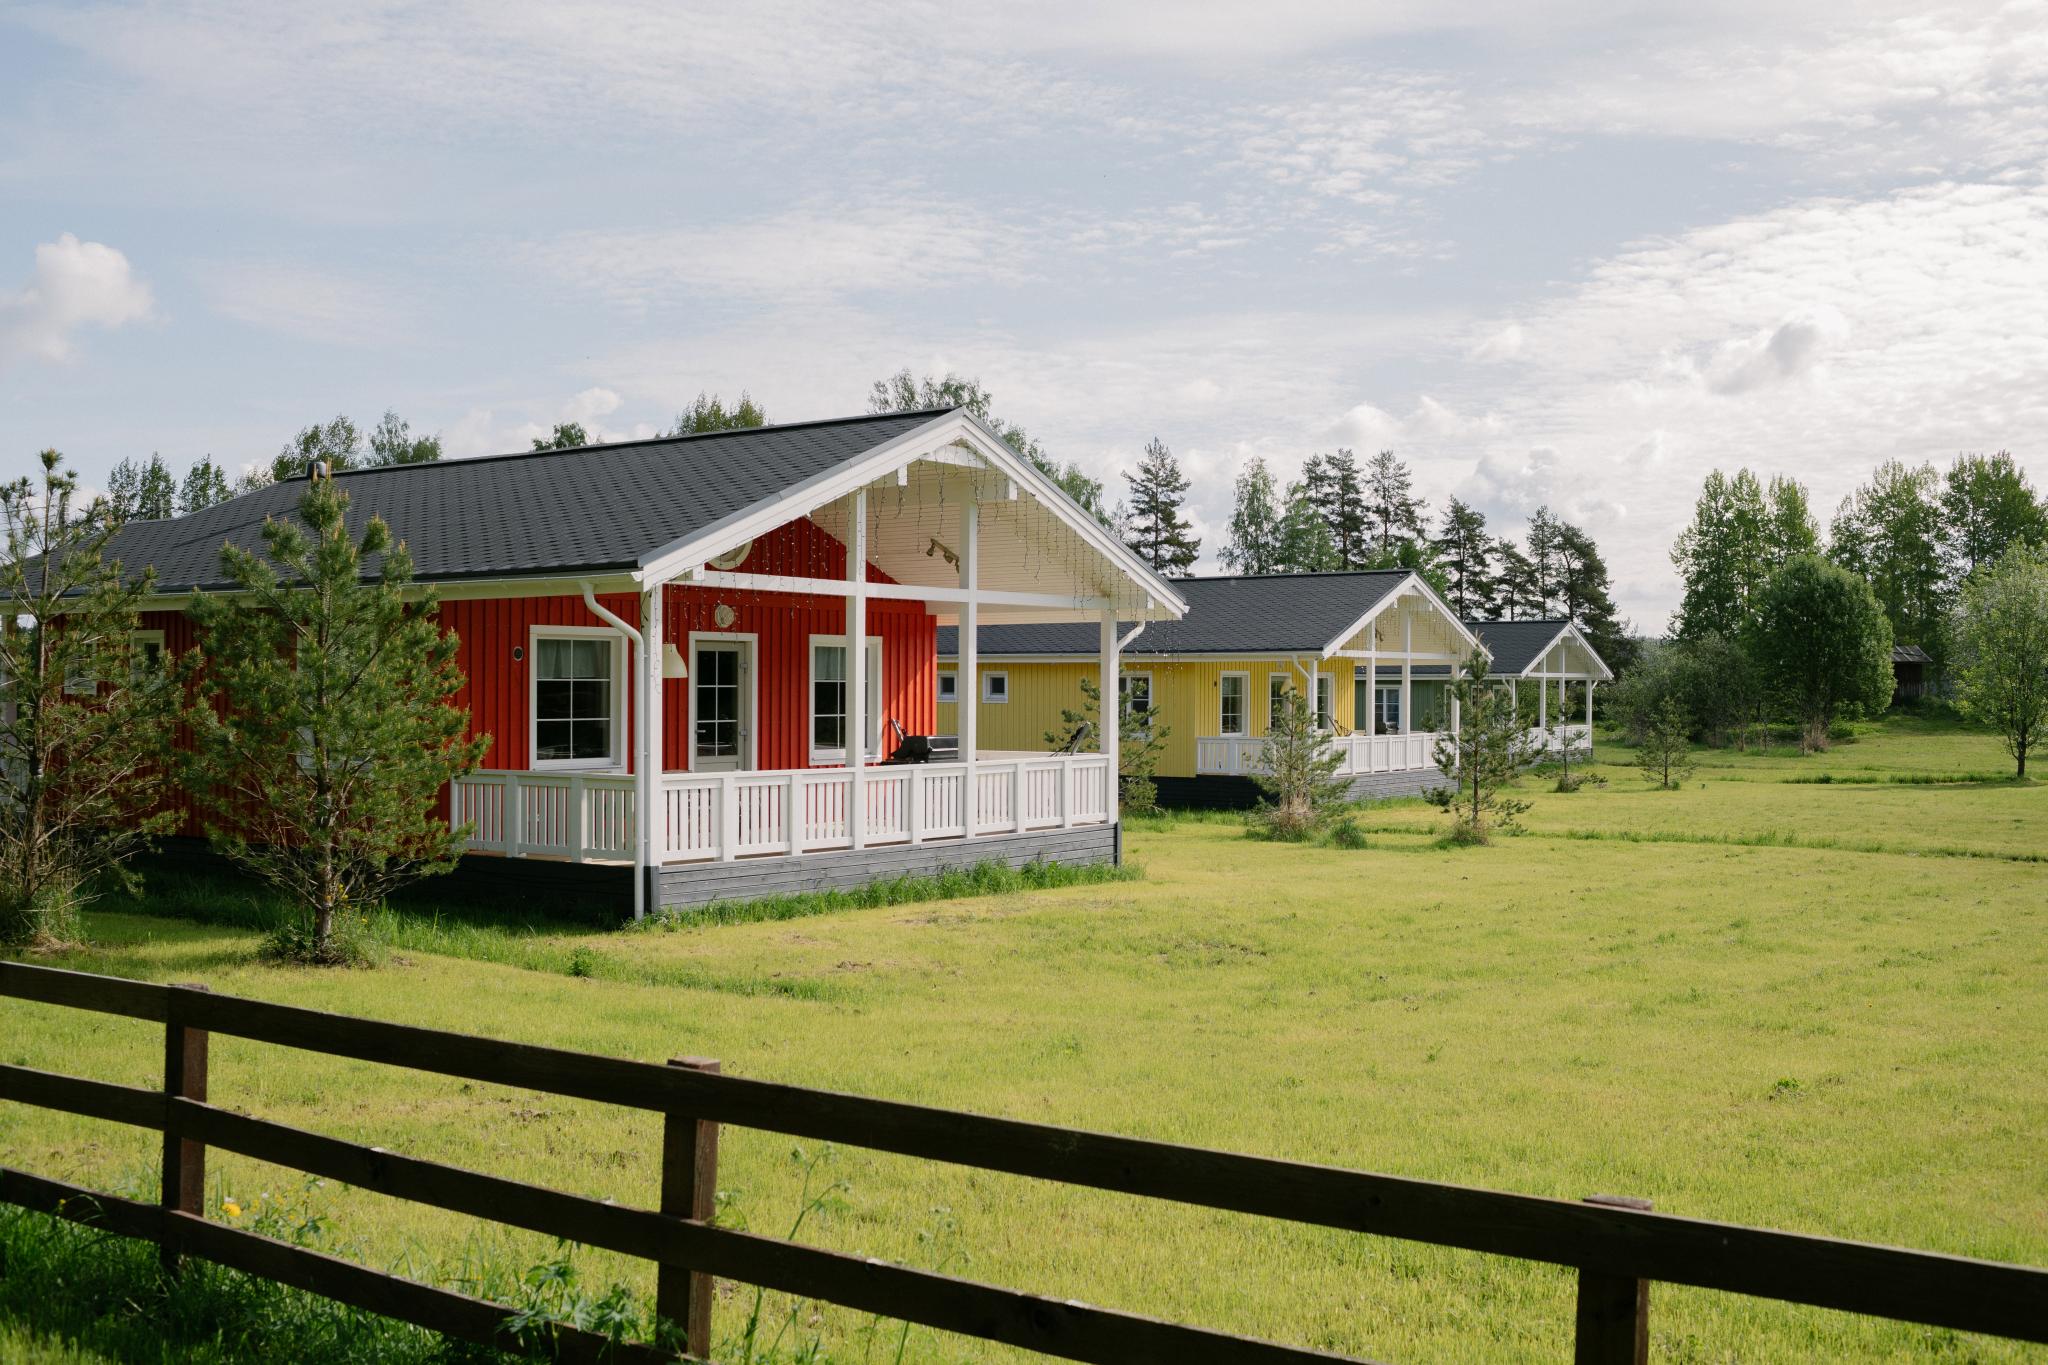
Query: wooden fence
pixel 1618 1246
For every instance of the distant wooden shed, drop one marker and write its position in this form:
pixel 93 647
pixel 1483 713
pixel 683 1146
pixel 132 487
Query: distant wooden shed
pixel 1910 665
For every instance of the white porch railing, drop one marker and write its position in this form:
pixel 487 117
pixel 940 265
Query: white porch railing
pixel 1579 736
pixel 713 816
pixel 1363 754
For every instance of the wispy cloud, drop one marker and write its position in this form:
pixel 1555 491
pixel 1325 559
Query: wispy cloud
pixel 309 302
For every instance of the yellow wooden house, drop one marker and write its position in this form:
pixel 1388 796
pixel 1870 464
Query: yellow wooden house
pixel 1373 648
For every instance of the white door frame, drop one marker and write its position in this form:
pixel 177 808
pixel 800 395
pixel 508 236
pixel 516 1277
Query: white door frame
pixel 750 695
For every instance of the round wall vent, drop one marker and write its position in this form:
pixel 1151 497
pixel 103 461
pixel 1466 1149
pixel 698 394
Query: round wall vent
pixel 734 557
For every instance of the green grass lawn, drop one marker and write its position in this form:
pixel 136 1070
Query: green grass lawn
pixel 1816 1007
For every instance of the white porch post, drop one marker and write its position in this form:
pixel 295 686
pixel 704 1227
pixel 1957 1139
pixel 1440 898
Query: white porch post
pixel 1407 671
pixel 647 850
pixel 857 672
pixel 969 686
pixel 1543 698
pixel 1372 681
pixel 1112 708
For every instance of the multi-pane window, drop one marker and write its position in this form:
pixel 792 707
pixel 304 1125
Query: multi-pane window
pixel 717 701
pixel 574 701
pixel 831 698
pixel 1326 705
pixel 1277 688
pixel 1231 693
pixel 1389 710
pixel 828 697
pixel 1135 691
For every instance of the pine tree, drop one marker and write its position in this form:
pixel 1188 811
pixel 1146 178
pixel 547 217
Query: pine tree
pixel 1154 525
pixel 86 725
pixel 1297 773
pixel 1515 595
pixel 1465 552
pixel 1254 544
pixel 708 413
pixel 1481 757
pixel 1393 512
pixel 393 443
pixel 1586 594
pixel 1545 567
pixel 156 493
pixel 1141 741
pixel 1347 514
pixel 206 483
pixel 1664 756
pixel 323 718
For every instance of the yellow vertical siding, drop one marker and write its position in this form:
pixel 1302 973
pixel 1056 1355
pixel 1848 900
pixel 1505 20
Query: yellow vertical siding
pixel 1186 699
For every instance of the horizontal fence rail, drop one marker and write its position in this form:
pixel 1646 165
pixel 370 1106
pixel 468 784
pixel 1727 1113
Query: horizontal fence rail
pixel 1618 1246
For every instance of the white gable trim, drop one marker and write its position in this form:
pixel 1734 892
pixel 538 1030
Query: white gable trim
pixel 920 442
pixel 1394 595
pixel 1570 630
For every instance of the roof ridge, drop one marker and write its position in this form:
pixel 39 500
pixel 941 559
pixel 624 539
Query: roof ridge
pixel 636 441
pixel 1292 573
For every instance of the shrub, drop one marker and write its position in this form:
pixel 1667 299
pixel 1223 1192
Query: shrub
pixel 1345 833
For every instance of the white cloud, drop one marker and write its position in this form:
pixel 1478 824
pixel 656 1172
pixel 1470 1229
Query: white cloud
pixel 1504 344
pixel 309 302
pixel 75 285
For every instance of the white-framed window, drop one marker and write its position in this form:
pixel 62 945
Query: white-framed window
pixel 1231 691
pixel 830 698
pixel 1326 702
pixel 949 688
pixel 995 688
pixel 578 694
pixel 146 657
pixel 1387 708
pixel 1134 690
pixel 1278 685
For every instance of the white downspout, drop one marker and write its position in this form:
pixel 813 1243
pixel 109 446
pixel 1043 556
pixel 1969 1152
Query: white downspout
pixel 643 780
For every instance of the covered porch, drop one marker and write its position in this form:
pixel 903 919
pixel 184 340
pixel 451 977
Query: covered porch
pixel 775 708
pixel 1401 648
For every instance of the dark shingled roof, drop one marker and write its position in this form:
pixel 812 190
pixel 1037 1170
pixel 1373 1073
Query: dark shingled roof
pixel 1514 644
pixel 591 509
pixel 1910 654
pixel 1269 613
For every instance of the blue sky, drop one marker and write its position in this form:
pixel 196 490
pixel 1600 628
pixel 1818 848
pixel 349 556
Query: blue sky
pixel 1579 257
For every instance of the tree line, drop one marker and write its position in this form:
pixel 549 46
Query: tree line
pixel 1777 621
pixel 1341 514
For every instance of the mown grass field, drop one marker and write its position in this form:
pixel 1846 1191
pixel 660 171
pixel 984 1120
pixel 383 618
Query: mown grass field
pixel 1760 999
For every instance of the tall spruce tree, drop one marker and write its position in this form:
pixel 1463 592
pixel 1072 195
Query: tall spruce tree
pixel 1254 544
pixel 906 392
pixel 323 718
pixel 1154 524
pixel 1465 551
pixel 205 484
pixel 1393 512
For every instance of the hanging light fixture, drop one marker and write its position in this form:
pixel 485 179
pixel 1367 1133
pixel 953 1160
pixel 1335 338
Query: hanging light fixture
pixel 672 665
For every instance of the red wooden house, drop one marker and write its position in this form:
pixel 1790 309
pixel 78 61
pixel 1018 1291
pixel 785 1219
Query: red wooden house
pixel 667 626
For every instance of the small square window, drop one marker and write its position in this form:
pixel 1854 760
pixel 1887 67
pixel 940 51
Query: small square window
pixel 995 687
pixel 949 688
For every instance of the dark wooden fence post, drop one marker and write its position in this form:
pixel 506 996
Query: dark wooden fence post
pixel 689 1189
pixel 184 1160
pixel 1614 1310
